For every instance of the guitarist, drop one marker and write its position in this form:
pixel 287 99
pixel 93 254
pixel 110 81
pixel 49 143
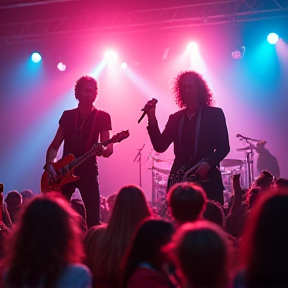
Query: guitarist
pixel 198 132
pixel 80 128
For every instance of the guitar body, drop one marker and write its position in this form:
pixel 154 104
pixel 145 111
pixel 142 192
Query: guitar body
pixel 48 186
pixel 182 175
pixel 186 175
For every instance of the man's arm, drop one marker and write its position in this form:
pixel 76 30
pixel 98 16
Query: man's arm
pixel 54 146
pixel 222 146
pixel 104 136
pixel 52 153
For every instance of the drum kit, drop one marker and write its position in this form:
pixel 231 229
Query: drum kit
pixel 160 173
pixel 229 167
pixel 245 167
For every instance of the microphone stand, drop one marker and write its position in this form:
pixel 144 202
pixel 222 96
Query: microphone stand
pixel 250 165
pixel 139 158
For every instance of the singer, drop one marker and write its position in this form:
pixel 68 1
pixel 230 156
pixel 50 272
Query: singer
pixel 198 132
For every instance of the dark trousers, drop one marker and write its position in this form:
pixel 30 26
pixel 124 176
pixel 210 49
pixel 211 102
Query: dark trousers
pixel 214 188
pixel 89 189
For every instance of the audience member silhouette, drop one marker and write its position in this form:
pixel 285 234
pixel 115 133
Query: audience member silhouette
pixel 14 202
pixel 214 213
pixel 79 207
pixel 264 180
pixel 201 254
pixel 187 202
pixel 146 261
pixel 264 248
pixel 281 183
pixel 45 248
pixel 27 194
pixel 129 210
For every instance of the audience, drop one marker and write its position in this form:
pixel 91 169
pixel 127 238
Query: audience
pixel 238 213
pixel 44 248
pixel 214 213
pixel 200 252
pixel 187 202
pixel 264 180
pixel 281 183
pixel 146 263
pixel 14 202
pixel 129 210
pixel 44 245
pixel 111 201
pixel 27 194
pixel 264 246
pixel 79 207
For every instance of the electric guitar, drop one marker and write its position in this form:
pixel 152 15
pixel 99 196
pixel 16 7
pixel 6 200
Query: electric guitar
pixel 67 165
pixel 187 175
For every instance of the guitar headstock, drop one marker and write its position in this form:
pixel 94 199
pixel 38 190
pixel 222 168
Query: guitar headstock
pixel 117 138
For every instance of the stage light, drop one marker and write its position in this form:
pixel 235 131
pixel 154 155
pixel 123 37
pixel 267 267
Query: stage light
pixel 238 52
pixel 192 47
pixel 272 38
pixel 61 66
pixel 124 65
pixel 110 56
pixel 36 57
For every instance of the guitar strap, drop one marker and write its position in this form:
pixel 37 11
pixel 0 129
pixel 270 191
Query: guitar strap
pixel 91 141
pixel 197 132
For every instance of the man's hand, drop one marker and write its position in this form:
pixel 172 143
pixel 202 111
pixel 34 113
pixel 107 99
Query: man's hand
pixel 53 176
pixel 150 109
pixel 98 150
pixel 203 169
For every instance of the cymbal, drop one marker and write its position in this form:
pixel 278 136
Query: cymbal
pixel 161 170
pixel 246 148
pixel 231 162
pixel 156 159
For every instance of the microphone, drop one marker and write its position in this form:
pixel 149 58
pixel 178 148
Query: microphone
pixel 153 103
pixel 246 138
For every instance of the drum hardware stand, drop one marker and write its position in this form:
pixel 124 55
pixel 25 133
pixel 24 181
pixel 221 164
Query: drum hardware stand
pixel 153 196
pixel 139 158
pixel 249 156
pixel 249 161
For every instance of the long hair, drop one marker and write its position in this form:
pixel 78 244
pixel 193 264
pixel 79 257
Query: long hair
pixel 129 210
pixel 150 237
pixel 43 243
pixel 201 253
pixel 204 93
pixel 264 248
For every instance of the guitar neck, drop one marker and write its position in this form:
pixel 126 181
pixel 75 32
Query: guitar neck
pixel 76 162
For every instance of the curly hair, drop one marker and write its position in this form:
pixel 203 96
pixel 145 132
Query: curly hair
pixel 205 95
pixel 79 83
